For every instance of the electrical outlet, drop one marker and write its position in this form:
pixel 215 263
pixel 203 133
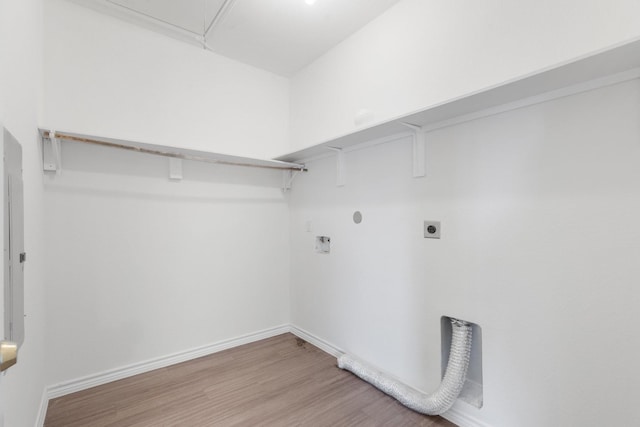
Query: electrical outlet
pixel 432 229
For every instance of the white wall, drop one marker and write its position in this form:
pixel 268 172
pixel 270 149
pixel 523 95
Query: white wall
pixel 132 273
pixel 107 77
pixel 139 267
pixel 540 247
pixel 420 53
pixel 22 387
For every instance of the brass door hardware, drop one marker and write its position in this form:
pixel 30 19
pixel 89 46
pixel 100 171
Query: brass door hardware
pixel 8 354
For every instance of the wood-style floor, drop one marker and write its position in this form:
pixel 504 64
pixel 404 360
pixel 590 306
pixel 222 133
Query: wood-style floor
pixel 280 381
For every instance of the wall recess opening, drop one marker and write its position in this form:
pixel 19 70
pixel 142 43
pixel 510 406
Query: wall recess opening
pixel 472 391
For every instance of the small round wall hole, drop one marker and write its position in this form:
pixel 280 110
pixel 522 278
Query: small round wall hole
pixel 357 217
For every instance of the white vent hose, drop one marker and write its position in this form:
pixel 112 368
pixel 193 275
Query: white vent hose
pixel 437 402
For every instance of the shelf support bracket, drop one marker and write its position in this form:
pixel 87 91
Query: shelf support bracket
pixel 52 154
pixel 419 150
pixel 175 169
pixel 341 177
pixel 287 179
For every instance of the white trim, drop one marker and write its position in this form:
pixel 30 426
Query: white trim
pixel 461 414
pixel 42 412
pixel 124 13
pixel 590 85
pixel 360 146
pixel 54 138
pixel 492 111
pixel 323 345
pixel 534 88
pixel 79 384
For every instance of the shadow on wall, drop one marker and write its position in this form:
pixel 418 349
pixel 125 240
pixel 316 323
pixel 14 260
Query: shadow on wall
pixel 109 172
pixel 105 160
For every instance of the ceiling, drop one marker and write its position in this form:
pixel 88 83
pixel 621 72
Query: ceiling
pixel 281 36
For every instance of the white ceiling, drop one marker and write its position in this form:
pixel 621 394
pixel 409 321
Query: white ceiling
pixel 190 15
pixel 281 36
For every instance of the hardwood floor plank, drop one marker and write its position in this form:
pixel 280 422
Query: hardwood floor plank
pixel 280 381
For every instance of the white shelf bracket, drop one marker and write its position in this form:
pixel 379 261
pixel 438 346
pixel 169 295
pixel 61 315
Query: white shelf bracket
pixel 175 169
pixel 419 150
pixel 52 154
pixel 341 177
pixel 287 179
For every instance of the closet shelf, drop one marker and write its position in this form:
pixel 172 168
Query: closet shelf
pixel 51 152
pixel 609 66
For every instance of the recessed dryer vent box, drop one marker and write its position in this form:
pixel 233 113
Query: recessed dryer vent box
pixel 472 390
pixel 323 244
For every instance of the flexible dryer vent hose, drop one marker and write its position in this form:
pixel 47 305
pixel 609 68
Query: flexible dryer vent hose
pixel 437 402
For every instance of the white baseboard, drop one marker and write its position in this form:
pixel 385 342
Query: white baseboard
pixel 84 383
pixel 42 411
pixel 460 414
pixel 323 345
